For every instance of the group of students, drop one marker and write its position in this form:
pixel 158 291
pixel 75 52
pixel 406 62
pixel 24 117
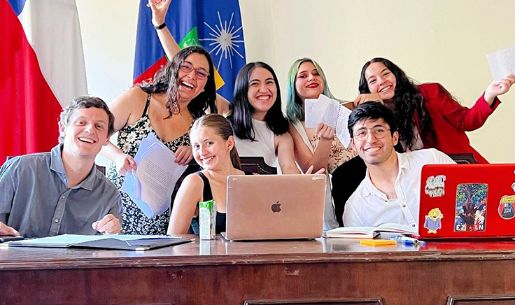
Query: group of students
pixel 401 116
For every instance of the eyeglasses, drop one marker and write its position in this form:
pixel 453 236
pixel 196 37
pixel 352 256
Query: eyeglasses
pixel 378 132
pixel 200 73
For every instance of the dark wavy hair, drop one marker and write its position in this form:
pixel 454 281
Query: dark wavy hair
pixel 371 110
pixel 408 103
pixel 166 80
pixel 242 110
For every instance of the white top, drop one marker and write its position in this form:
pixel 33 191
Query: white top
pixel 264 146
pixel 368 206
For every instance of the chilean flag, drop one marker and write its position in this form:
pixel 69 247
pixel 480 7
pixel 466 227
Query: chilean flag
pixel 42 69
pixel 214 24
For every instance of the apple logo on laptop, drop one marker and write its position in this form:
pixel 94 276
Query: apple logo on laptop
pixel 276 207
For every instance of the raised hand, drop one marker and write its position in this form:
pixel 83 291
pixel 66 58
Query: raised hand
pixel 159 9
pixel 498 87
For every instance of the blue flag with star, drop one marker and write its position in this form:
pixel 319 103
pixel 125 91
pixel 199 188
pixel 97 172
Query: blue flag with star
pixel 214 24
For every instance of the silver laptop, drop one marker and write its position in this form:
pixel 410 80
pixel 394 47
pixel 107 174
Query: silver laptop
pixel 261 207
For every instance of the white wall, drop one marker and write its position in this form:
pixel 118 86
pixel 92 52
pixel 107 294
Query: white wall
pixel 434 40
pixel 109 37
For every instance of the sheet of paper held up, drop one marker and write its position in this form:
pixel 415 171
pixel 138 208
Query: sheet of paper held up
pixel 330 112
pixel 502 62
pixel 151 186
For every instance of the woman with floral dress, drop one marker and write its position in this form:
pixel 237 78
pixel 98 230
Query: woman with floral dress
pixel 180 93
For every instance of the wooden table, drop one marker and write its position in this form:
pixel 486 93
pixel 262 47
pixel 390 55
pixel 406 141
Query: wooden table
pixel 331 271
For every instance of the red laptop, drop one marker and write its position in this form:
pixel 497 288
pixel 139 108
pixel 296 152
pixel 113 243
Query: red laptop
pixel 467 201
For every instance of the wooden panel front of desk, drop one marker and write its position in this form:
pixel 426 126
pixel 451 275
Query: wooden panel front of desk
pixel 394 276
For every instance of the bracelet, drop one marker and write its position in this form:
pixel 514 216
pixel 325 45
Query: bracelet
pixel 161 26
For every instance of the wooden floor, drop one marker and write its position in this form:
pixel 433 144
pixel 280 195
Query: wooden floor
pixel 276 272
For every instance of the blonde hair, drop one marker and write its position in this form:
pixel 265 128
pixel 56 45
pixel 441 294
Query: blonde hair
pixel 223 128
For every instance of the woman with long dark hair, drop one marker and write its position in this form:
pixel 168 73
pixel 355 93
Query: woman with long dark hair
pixel 180 93
pixel 259 125
pixel 427 115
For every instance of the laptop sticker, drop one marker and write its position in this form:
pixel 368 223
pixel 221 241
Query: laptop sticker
pixel 506 207
pixel 435 186
pixel 433 221
pixel 471 207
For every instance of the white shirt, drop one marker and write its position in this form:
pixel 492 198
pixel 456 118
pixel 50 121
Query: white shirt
pixel 264 146
pixel 369 207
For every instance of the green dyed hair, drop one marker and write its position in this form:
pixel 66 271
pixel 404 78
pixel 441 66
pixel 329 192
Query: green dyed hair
pixel 294 104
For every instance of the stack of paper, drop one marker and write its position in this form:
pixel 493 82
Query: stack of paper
pixel 151 186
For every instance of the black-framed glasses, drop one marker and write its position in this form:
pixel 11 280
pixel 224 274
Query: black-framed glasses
pixel 378 132
pixel 200 73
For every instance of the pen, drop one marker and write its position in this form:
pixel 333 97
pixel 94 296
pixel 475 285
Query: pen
pixel 408 241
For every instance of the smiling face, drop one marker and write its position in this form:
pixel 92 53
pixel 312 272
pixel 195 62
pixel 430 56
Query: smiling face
pixel 262 92
pixel 377 146
pixel 193 76
pixel 381 80
pixel 210 150
pixel 85 133
pixel 308 82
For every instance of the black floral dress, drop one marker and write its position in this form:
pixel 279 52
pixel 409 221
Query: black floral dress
pixel 129 139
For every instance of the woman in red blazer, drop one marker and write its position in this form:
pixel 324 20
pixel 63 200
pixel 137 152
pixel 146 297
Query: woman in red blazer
pixel 427 114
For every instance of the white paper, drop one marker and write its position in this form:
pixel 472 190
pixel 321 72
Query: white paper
pixel 330 112
pixel 502 63
pixel 151 186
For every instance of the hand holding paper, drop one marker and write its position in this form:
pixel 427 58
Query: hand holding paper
pixel 151 186
pixel 499 87
pixel 124 163
pixel 329 112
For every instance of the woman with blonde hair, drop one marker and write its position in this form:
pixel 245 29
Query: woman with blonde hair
pixel 213 145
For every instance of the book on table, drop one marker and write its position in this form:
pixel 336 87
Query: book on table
pixel 106 241
pixel 385 230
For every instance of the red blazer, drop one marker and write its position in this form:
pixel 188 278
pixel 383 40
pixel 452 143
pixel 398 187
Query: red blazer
pixel 450 120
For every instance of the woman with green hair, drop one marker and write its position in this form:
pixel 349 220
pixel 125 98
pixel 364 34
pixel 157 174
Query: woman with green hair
pixel 313 146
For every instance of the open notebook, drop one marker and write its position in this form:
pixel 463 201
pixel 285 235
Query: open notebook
pixel 114 242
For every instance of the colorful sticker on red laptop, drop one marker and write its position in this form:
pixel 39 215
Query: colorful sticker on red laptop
pixel 471 207
pixel 506 207
pixel 435 186
pixel 433 221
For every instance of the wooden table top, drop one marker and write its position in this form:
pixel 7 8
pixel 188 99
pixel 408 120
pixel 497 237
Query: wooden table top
pixel 221 252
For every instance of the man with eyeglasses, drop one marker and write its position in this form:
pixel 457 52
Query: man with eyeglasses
pixel 390 191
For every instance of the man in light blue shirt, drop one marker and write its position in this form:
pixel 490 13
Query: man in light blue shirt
pixel 61 191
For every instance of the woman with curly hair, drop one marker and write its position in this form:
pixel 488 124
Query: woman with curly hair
pixel 180 93
pixel 427 115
